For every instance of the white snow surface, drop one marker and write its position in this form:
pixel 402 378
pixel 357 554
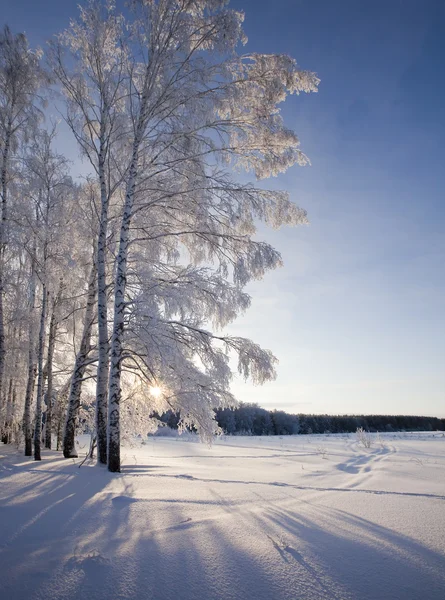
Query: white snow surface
pixel 310 517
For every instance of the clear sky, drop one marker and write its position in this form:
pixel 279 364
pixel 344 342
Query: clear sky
pixel 357 314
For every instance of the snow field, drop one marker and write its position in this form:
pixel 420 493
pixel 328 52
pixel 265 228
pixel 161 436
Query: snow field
pixel 310 517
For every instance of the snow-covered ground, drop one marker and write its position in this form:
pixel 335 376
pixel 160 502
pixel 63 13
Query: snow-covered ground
pixel 310 517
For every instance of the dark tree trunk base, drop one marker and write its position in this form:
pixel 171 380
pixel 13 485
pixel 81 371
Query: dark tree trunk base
pixel 70 455
pixel 28 448
pixel 114 458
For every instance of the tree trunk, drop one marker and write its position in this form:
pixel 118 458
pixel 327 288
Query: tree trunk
pixel 9 410
pixel 49 369
pixel 14 427
pixel 60 411
pixel 2 329
pixel 38 425
pixel 102 321
pixel 7 429
pixel 3 220
pixel 69 448
pixel 114 391
pixel 114 388
pixel 32 367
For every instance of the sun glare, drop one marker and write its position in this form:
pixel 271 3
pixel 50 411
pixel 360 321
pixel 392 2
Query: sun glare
pixel 155 391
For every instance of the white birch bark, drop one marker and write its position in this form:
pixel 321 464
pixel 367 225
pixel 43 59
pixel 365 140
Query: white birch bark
pixel 53 325
pixel 20 80
pixel 69 448
pixel 94 106
pixel 49 374
pixel 102 316
pixel 32 367
pixel 40 376
pixel 7 429
pixel 10 403
pixel 114 389
pixel 4 191
pixel 60 411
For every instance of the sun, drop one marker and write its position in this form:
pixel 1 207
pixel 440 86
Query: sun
pixel 155 391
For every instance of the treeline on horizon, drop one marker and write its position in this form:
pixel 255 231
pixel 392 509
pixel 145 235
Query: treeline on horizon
pixel 251 419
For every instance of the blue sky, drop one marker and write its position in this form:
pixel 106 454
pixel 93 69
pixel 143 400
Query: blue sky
pixel 357 314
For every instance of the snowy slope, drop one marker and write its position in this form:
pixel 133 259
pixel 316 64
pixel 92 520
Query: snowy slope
pixel 310 517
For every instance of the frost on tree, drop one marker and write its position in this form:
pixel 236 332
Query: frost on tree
pixel 198 111
pixel 69 449
pixel 20 79
pixel 49 189
pixel 94 92
pixel 42 242
pixel 166 112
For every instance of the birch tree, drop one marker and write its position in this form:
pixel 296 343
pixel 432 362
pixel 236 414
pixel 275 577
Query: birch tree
pixel 51 241
pixel 196 105
pixel 21 77
pixel 32 366
pixel 167 112
pixel 94 93
pixel 56 299
pixel 16 319
pixel 51 194
pixel 69 450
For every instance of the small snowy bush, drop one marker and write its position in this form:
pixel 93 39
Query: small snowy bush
pixel 364 437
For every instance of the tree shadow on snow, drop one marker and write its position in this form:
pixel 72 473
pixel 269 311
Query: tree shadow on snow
pixel 85 533
pixel 368 561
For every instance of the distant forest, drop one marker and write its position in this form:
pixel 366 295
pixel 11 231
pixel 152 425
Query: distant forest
pixel 251 419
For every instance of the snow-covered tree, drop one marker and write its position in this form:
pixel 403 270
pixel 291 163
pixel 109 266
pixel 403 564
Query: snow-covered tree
pixel 21 78
pixel 162 236
pixel 80 367
pixel 89 61
pixel 50 190
pixel 198 111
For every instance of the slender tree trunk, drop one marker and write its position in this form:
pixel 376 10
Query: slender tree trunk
pixel 32 367
pixel 114 388
pixel 60 407
pixel 102 320
pixel 114 385
pixel 32 371
pixel 116 351
pixel 69 448
pixel 3 220
pixel 49 369
pixel 7 429
pixel 15 364
pixel 8 412
pixel 59 433
pixel 2 329
pixel 14 428
pixel 40 377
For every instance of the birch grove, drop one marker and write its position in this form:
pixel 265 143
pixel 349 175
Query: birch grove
pixel 20 80
pixel 129 277
pixel 94 94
